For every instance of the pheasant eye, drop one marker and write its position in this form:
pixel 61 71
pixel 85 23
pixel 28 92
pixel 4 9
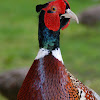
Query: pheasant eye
pixel 53 9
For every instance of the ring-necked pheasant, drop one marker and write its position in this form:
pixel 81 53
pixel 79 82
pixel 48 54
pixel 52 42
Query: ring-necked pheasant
pixel 47 78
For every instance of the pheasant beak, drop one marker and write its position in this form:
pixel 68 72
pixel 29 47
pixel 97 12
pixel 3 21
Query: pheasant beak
pixel 70 14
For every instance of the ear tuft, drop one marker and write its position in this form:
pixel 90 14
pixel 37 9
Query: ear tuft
pixel 39 7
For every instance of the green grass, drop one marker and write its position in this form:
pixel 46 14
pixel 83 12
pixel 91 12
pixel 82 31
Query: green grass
pixel 80 45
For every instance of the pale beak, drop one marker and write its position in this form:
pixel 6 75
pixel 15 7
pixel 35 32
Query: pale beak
pixel 70 14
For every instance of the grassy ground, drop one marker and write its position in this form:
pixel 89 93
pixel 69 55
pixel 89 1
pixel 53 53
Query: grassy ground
pixel 80 45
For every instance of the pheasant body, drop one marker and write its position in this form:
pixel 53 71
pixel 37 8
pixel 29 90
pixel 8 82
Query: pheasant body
pixel 48 79
pixel 45 82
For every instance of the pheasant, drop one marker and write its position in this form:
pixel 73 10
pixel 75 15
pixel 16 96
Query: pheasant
pixel 47 78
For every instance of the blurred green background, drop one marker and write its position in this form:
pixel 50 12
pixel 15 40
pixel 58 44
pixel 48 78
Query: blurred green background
pixel 80 44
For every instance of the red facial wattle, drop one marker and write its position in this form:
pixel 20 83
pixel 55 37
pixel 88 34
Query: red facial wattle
pixel 52 20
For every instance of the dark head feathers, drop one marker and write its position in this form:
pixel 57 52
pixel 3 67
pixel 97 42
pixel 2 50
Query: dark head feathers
pixel 39 7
